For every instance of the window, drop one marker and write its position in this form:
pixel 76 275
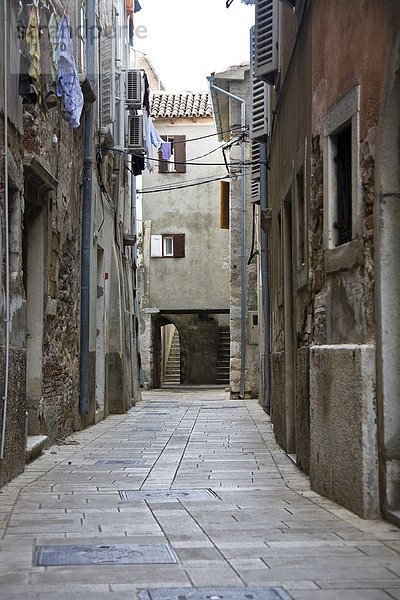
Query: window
pixel 342 195
pixel 175 164
pixel 343 187
pixel 301 246
pixel 167 245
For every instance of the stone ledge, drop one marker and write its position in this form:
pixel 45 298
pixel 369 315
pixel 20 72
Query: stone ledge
pixel 344 257
pixel 34 446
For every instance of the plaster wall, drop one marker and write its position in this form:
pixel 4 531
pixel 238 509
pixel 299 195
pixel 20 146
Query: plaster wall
pixel 200 280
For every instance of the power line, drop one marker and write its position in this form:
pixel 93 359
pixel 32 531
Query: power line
pixel 173 188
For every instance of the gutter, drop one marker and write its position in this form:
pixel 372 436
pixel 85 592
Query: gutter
pixel 219 90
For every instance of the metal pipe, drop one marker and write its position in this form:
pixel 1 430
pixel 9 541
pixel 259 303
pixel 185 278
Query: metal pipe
pixel 87 219
pixel 243 232
pixel 265 278
pixel 6 236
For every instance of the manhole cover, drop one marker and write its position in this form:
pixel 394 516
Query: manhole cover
pixel 168 495
pixel 120 463
pixel 119 554
pixel 265 593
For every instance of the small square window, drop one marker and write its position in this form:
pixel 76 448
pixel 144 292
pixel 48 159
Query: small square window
pixel 168 245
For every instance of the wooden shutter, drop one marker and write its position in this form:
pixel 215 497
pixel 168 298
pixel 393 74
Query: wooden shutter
pixel 179 245
pixel 259 98
pixel 163 164
pixel 180 153
pixel 224 221
pixel 266 40
pixel 156 246
pixel 108 79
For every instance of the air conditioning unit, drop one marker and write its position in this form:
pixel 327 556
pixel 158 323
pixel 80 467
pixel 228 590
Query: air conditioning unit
pixel 135 133
pixel 133 97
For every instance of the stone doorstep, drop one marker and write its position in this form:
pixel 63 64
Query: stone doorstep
pixel 34 446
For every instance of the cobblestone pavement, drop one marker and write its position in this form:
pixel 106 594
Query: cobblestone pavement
pixel 261 526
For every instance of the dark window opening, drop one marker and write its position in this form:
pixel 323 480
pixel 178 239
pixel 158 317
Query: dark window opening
pixel 343 224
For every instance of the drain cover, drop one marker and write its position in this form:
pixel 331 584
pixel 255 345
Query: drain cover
pixel 265 593
pixel 168 495
pixel 118 554
pixel 120 463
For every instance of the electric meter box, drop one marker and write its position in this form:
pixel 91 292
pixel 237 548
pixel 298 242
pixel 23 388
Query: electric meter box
pixel 253 327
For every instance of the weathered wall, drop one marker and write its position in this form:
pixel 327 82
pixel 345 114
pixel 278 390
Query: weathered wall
pixel 200 280
pixel 289 281
pixel 237 82
pixel 344 460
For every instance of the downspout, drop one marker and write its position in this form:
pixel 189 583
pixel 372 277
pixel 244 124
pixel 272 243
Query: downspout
pixel 6 240
pixel 135 273
pixel 219 90
pixel 265 278
pixel 86 219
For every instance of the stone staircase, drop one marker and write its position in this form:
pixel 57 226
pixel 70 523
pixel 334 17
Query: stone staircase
pixel 223 362
pixel 173 370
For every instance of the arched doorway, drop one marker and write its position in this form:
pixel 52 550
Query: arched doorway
pixel 387 286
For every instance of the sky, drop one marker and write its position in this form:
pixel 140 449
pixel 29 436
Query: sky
pixel 186 40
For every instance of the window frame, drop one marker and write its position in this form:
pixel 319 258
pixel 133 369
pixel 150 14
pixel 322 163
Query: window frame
pixel 344 113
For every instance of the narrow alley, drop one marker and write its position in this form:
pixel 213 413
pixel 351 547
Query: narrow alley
pixel 197 480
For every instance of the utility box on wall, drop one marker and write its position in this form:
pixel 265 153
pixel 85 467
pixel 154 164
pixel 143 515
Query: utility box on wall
pixel 253 328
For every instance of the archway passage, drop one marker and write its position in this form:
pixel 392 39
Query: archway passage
pixel 190 348
pixel 387 280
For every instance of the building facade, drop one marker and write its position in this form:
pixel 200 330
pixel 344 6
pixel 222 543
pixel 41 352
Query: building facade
pixel 185 271
pixel 330 212
pixel 68 341
pixel 231 114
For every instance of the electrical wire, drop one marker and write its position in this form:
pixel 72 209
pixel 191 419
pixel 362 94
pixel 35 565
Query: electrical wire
pixel 162 188
pixel 247 163
pixel 203 137
pixel 181 187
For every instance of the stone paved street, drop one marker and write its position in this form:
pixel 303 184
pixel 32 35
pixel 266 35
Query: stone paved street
pixel 260 526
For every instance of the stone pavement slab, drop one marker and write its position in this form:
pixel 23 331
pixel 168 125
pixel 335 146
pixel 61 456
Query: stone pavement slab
pixel 262 526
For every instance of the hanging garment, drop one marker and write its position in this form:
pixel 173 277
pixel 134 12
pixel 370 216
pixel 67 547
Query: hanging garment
pixel 137 6
pixel 54 23
pixel 32 39
pixel 137 164
pixel 146 96
pixel 68 87
pixel 166 151
pixel 48 100
pixel 155 138
pixel 148 148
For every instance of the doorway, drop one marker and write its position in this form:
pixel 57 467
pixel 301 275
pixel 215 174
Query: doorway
pixel 100 335
pixel 33 280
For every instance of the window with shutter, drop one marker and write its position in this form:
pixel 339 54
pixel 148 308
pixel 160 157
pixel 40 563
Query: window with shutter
pixel 156 246
pixel 179 245
pixel 176 164
pixel 224 220
pixel 180 153
pixel 107 79
pixel 266 40
pixel 259 99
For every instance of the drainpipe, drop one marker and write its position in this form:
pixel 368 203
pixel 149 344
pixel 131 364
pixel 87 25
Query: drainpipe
pixel 219 90
pixel 6 240
pixel 135 275
pixel 265 278
pixel 86 219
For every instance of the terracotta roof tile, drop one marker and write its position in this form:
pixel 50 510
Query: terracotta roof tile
pixel 183 104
